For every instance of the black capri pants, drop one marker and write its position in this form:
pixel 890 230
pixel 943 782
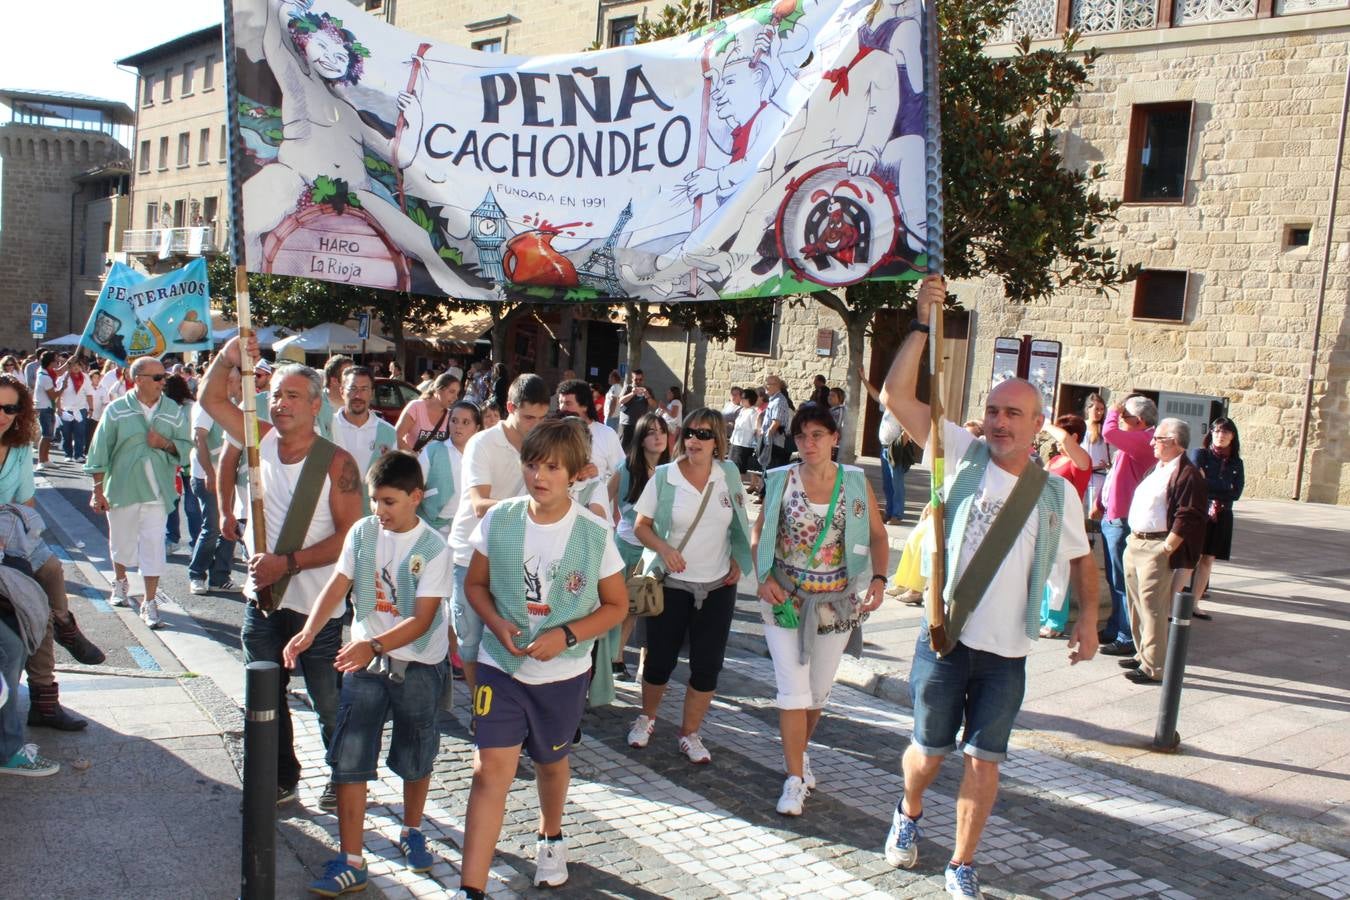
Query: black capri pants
pixel 707 628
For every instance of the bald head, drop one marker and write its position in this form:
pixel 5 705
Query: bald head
pixel 148 375
pixel 1012 419
pixel 146 365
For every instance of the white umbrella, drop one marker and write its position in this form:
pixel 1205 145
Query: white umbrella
pixel 70 340
pixel 331 338
pixel 267 335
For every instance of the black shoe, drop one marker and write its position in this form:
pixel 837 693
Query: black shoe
pixel 1116 648
pixel 576 738
pixel 79 646
pixel 1128 663
pixel 1103 639
pixel 328 799
pixel 285 795
pixel 61 719
pixel 1139 677
pixel 621 672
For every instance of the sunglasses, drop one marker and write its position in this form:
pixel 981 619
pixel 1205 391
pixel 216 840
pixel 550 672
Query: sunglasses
pixel 703 434
pixel 10 409
pixel 160 377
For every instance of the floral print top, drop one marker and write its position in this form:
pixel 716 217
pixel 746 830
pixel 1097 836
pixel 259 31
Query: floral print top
pixel 798 528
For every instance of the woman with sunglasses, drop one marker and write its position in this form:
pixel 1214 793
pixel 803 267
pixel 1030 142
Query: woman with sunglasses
pixel 1220 459
pixel 691 519
pixel 644 456
pixel 821 552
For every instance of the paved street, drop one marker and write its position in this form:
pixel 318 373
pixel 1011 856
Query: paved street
pixel 1255 805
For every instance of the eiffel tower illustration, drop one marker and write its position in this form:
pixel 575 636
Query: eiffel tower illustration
pixel 598 271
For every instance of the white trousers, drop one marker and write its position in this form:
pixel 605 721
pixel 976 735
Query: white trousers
pixel 136 537
pixel 804 686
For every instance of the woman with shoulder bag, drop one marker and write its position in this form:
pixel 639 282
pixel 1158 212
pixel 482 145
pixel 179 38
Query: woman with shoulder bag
pixel 427 418
pixel 819 537
pixel 1220 458
pixel 650 450
pixel 691 518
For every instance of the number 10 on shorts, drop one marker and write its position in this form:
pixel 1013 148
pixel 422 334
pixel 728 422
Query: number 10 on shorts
pixel 482 700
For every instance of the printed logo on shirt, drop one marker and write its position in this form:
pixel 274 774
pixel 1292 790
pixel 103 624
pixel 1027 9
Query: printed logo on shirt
pixel 726 501
pixel 535 606
pixel 859 508
pixel 386 602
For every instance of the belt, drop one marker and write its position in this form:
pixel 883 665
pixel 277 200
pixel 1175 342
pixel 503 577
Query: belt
pixel 1151 535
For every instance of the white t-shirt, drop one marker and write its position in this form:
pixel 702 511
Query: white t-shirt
pixel 612 401
pixel 149 413
pixel 450 504
pixel 707 556
pixel 544 547
pixel 673 413
pixel 358 440
pixel 74 399
pixel 606 451
pixel 744 431
pixel 44 384
pixel 203 420
pixel 489 459
pixel 998 624
pixel 434 581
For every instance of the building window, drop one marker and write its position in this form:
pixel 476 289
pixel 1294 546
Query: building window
pixel 623 32
pixel 1160 142
pixel 189 68
pixel 151 215
pixel 374 5
pixel 754 336
pixel 204 148
pixel 1296 236
pixel 224 144
pixel 1160 294
pixel 148 91
pixel 167 93
pixel 144 165
pixel 491 45
pixel 163 153
pixel 179 213
pixel 184 149
pixel 209 72
pixel 209 209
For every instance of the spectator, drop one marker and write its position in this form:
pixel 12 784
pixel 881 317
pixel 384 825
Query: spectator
pixel 492 414
pixel 774 424
pixel 691 518
pixel 1220 459
pixel 176 389
pixel 646 454
pixel 733 408
pixel 1167 535
pixel 673 411
pixel 898 455
pixel 819 533
pixel 633 404
pixel 501 386
pixel 395 370
pixel 1072 463
pixel 212 555
pixel 1128 428
pixel 820 392
pixel 612 395
pixel 45 397
pixel 1099 451
pixel 76 399
pixel 427 418
pixel 838 399
pixel 744 432
pixel 9 365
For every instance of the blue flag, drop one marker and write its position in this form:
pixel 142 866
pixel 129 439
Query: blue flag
pixel 138 315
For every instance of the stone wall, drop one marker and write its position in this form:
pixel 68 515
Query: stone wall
pixel 531 27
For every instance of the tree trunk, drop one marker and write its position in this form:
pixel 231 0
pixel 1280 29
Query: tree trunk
pixel 856 327
pixel 639 315
pixel 395 329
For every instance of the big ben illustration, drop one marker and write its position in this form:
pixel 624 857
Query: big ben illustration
pixel 488 231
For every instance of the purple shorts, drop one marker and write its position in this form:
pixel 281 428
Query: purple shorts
pixel 541 717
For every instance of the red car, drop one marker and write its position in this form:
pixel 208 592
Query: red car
pixel 391 395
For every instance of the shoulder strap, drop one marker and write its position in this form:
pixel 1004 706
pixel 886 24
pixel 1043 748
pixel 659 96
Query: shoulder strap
pixel 1003 532
pixel 301 511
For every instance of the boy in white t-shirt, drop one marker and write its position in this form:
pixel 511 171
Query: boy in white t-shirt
pixel 399 573
pixel 546 579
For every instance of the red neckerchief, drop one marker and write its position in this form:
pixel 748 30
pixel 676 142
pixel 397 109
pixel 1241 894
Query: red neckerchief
pixel 840 76
pixel 77 379
pixel 740 135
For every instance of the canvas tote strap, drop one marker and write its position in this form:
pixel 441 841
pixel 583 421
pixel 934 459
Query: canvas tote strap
pixel 1007 525
pixel 707 492
pixel 303 501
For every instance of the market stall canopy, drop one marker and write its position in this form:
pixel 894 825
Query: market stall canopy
pixel 330 338
pixel 267 336
pixel 463 327
pixel 69 340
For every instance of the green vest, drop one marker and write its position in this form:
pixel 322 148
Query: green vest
pixel 440 485
pixel 427 547
pixel 572 595
pixel 1049 519
pixel 857 522
pixel 740 524
pixel 120 450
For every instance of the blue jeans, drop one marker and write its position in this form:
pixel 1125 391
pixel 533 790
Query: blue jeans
pixel 192 509
pixel 368 700
pixel 1114 533
pixel 468 625
pixel 893 486
pixel 983 689
pixel 264 637
pixel 211 556
pixel 12 659
pixel 72 436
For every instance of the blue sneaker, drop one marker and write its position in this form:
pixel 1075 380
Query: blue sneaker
pixel 963 883
pixel 414 847
pixel 339 877
pixel 902 842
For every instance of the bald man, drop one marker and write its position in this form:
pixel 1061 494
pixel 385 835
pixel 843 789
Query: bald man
pixel 979 675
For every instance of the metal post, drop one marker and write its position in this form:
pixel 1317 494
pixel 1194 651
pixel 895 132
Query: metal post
pixel 258 861
pixel 1174 671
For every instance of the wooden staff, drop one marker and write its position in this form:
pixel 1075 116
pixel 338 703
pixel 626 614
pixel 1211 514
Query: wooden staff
pixel 403 123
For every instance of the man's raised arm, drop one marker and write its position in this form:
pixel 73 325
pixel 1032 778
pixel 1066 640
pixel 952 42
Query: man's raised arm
pixel 897 393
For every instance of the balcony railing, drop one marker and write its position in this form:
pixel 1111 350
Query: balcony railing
pixel 1043 19
pixel 181 241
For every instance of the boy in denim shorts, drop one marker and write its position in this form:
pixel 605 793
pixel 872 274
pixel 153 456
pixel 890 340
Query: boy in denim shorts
pixel 546 578
pixel 399 572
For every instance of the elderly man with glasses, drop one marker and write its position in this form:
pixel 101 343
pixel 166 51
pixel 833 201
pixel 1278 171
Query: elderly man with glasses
pixel 1128 428
pixel 141 441
pixel 1167 533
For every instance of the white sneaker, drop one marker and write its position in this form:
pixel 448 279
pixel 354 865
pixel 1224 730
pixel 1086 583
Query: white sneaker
pixel 641 732
pixel 691 745
pixel 150 613
pixel 902 842
pixel 793 796
pixel 550 863
pixel 119 593
pixel 40 467
pixel 808 777
pixel 229 587
pixel 198 586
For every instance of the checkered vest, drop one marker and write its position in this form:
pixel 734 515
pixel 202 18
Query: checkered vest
pixel 441 480
pixel 365 541
pixel 740 525
pixel 857 529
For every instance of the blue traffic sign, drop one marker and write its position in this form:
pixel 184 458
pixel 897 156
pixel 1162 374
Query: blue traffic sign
pixel 39 324
pixel 40 309
pixel 363 326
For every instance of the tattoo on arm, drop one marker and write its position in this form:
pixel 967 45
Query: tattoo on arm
pixel 349 478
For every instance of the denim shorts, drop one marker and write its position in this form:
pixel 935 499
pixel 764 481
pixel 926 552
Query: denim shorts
pixel 982 689
pixel 468 626
pixel 47 422
pixel 367 701
pixel 543 718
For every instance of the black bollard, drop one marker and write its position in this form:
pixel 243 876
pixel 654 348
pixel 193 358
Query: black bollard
pixel 258 863
pixel 1174 671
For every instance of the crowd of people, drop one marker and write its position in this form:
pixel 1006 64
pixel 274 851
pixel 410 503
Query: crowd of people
pixel 502 531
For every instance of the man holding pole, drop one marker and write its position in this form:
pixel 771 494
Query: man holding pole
pixel 312 497
pixel 1008 522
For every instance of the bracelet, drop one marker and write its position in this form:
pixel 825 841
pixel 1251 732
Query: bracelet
pixel 292 567
pixel 916 325
pixel 881 578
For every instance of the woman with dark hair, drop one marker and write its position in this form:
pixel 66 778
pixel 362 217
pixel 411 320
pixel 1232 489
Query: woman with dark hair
pixel 818 546
pixel 673 411
pixel 691 518
pixel 1220 458
pixel 651 449
pixel 442 464
pixel 1094 413
pixel 1072 463
pixel 176 389
pixel 493 413
pixel 501 386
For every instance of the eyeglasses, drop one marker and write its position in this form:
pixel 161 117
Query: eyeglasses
pixel 1220 430
pixel 1161 439
pixel 10 409
pixel 160 377
pixel 703 434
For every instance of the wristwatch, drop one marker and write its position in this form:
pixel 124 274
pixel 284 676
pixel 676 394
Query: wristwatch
pixel 292 567
pixel 571 638
pixel 916 325
pixel 376 647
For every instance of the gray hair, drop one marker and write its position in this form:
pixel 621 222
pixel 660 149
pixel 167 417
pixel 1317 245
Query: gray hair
pixel 137 367
pixel 316 385
pixel 1181 432
pixel 1144 408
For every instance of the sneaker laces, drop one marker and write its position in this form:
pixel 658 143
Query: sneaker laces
pixel 29 752
pixel 335 867
pixel 965 877
pixel 908 832
pixel 693 743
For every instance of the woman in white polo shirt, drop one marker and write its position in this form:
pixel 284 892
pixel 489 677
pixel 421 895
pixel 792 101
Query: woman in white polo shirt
pixel 703 565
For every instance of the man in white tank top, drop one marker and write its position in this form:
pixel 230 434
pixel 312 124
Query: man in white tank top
pixel 284 446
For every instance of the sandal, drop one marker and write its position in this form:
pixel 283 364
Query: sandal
pixel 1048 632
pixel 1202 616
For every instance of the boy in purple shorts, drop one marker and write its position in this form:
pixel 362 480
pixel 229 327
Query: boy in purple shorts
pixel 546 579
pixel 398 569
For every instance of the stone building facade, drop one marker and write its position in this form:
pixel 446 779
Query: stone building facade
pixel 63 186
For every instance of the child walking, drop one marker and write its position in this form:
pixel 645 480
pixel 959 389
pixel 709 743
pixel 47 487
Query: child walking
pixel 398 570
pixel 546 579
